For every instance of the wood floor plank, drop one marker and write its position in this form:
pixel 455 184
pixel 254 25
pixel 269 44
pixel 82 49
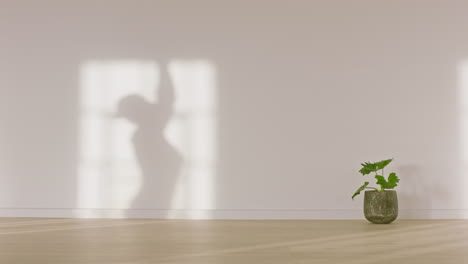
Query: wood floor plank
pixel 80 241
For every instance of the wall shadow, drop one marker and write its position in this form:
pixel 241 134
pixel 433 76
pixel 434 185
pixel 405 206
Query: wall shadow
pixel 416 194
pixel 159 161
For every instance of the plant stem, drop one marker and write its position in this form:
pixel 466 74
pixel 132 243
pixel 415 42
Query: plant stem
pixel 383 175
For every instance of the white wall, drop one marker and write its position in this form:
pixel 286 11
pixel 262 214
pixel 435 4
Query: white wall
pixel 305 91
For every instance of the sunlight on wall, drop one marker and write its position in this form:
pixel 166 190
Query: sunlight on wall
pixel 109 176
pixel 193 132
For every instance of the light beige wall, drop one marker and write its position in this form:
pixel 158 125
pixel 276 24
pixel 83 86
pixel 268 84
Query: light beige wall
pixel 306 90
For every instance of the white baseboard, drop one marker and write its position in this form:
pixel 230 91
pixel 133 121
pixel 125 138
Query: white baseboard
pixel 260 214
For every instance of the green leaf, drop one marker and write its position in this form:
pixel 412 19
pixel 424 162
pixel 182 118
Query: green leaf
pixel 393 180
pixel 381 181
pixel 390 184
pixel 360 189
pixel 367 168
pixel 383 163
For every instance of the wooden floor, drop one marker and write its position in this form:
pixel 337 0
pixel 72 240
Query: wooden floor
pixel 71 241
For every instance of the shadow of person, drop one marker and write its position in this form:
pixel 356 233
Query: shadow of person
pixel 158 160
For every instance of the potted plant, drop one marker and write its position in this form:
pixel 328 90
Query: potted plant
pixel 380 204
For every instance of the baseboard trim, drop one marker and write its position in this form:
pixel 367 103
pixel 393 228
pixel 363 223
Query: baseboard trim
pixel 254 214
